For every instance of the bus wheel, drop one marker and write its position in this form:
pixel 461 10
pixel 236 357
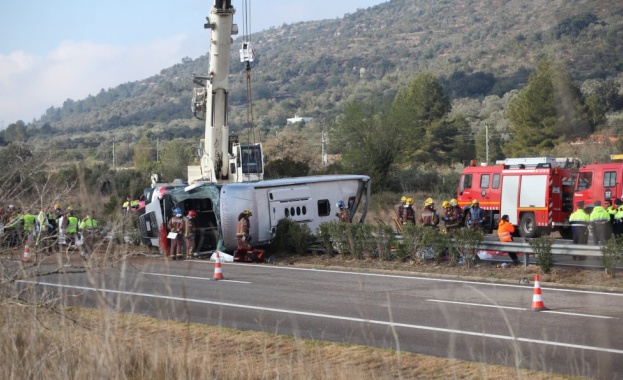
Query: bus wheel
pixel 527 226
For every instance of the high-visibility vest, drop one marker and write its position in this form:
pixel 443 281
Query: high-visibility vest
pixel 599 214
pixel 505 229
pixel 88 223
pixel 72 225
pixel 29 222
pixel 579 218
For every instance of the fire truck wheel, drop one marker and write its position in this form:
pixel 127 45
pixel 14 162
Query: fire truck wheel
pixel 566 233
pixel 527 226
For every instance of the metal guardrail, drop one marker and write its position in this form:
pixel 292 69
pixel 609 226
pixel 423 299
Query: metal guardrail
pixel 520 245
pixel 557 248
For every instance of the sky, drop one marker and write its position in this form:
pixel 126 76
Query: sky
pixel 51 51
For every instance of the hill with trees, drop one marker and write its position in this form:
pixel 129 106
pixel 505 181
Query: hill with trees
pixel 521 77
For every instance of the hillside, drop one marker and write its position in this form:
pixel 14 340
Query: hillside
pixel 478 48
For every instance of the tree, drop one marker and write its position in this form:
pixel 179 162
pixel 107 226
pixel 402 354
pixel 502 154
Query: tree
pixel 176 156
pixel 415 110
pixel 144 158
pixel 16 132
pixel 286 167
pixel 547 111
pixel 369 143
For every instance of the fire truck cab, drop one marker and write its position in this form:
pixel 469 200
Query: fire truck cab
pixel 536 193
pixel 599 182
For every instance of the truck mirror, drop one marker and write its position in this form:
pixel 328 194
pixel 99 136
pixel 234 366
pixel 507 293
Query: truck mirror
pixel 232 167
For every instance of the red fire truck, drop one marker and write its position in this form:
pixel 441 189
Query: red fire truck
pixel 536 193
pixel 599 182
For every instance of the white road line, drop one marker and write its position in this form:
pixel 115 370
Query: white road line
pixel 191 277
pixel 329 316
pixel 431 279
pixel 520 308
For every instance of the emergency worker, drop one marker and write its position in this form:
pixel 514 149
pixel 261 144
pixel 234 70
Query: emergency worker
pixel 477 216
pixel 429 217
pixel 600 221
pixel 126 204
pixel 43 224
pixel 579 224
pixel 176 226
pixel 29 226
pixel 400 209
pixel 189 233
pixel 505 234
pixel 610 208
pixel 457 212
pixel 617 224
pixel 451 217
pixel 72 228
pixel 343 215
pixel 408 215
pixel 88 228
pixel 243 231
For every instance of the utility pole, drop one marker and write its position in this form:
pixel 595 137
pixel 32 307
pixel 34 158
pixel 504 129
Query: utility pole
pixel 487 141
pixel 324 150
pixel 113 153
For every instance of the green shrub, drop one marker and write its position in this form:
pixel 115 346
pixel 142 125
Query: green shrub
pixel 412 242
pixel 466 243
pixel 611 254
pixel 324 236
pixel 385 240
pixel 542 248
pixel 290 237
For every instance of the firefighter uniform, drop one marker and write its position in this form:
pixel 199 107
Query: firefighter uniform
pixel 176 226
pixel 429 217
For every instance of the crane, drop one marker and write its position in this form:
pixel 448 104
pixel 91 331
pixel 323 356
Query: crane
pixel 223 157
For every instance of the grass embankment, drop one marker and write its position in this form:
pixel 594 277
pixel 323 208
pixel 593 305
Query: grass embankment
pixel 57 343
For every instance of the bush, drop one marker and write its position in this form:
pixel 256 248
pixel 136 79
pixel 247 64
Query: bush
pixel 542 248
pixel 611 254
pixel 291 237
pixel 466 243
pixel 385 241
pixel 412 242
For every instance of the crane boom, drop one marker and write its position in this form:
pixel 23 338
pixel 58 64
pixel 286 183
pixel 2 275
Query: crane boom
pixel 223 158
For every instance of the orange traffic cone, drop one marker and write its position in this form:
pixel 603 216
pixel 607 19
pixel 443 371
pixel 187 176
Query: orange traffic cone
pixel 218 271
pixel 26 257
pixel 537 298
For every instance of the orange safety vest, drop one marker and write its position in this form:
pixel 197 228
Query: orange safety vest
pixel 505 229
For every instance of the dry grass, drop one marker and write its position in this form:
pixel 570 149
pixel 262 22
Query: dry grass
pixel 53 343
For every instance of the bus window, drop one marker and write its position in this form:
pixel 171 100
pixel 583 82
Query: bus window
pixel 584 181
pixel 484 181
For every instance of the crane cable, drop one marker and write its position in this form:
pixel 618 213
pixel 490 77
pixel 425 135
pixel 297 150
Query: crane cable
pixel 246 38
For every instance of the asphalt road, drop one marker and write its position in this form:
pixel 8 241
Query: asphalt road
pixel 579 334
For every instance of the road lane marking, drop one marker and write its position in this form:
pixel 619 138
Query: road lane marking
pixel 336 317
pixel 520 308
pixel 191 277
pixel 431 279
